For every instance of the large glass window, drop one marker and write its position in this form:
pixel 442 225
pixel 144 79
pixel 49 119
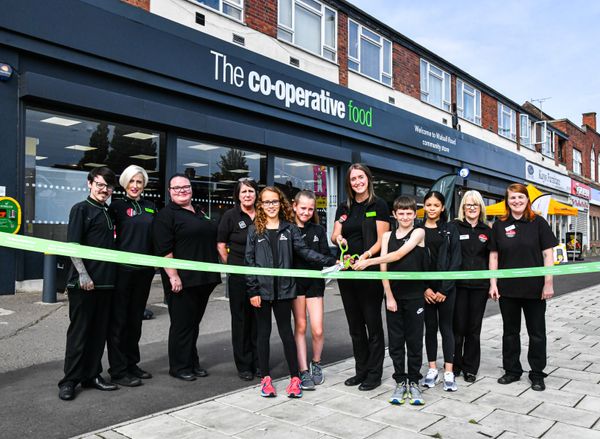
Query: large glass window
pixel 468 102
pixel 576 161
pixel 60 150
pixel 507 122
pixel 369 53
pixel 308 24
pixel 231 8
pixel 214 169
pixel 292 176
pixel 435 86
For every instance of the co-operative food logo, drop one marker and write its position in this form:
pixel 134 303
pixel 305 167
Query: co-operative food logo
pixel 290 95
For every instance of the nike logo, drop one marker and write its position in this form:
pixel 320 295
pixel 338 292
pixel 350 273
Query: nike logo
pixel 261 240
pixel 419 311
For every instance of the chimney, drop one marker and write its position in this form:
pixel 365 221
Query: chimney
pixel 589 119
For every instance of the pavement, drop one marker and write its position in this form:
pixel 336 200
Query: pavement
pixel 570 406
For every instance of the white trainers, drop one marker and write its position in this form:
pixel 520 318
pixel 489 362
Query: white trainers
pixel 450 382
pixel 431 379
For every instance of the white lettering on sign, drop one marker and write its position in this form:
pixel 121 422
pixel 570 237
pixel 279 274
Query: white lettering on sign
pixel 437 137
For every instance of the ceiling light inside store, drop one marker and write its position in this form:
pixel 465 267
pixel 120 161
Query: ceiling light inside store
pixel 310 181
pixel 255 156
pixel 143 157
pixel 204 147
pixel 195 164
pixel 94 165
pixel 298 164
pixel 278 176
pixel 141 136
pixel 239 171
pixel 39 157
pixel 227 181
pixel 62 121
pixel 80 147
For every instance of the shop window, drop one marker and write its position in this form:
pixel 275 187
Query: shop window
pixel 60 150
pixel 310 25
pixel 507 122
pixel 292 176
pixel 435 86
pixel 231 8
pixel 468 102
pixel 577 161
pixel 369 53
pixel 214 169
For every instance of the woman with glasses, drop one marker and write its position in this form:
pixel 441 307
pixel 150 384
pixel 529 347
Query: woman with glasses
pixel 183 231
pixel 471 294
pixel 231 244
pixel 133 216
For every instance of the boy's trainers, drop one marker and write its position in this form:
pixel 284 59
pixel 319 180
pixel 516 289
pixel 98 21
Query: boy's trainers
pixel 266 387
pixel 431 379
pixel 399 394
pixel 306 381
pixel 414 394
pixel 449 382
pixel 316 372
pixel 293 389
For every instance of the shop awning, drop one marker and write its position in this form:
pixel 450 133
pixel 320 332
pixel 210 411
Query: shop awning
pixel 554 208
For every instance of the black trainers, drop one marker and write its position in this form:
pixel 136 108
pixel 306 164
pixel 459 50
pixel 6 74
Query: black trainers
pixel 469 377
pixel 537 384
pixel 127 381
pixel 508 378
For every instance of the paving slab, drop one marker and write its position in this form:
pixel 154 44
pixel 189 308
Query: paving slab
pixel 566 415
pixel 579 375
pixel 294 412
pixel 591 403
pixel 564 431
pixel 403 417
pixel 345 426
pixel 508 403
pixel 274 429
pixel 163 426
pixel 452 428
pixel 217 416
pixel 458 409
pixel 516 423
pixel 354 405
pixel 560 397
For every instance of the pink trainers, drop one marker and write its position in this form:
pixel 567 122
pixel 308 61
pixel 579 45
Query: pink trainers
pixel 293 389
pixel 266 388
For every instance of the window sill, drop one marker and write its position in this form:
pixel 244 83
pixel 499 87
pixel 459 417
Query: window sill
pixel 308 51
pixel 372 79
pixel 435 106
pixel 471 122
pixel 214 11
pixel 507 138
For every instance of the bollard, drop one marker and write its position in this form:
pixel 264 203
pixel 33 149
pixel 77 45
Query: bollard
pixel 49 289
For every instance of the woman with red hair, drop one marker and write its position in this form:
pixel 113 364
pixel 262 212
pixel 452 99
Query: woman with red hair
pixel 522 239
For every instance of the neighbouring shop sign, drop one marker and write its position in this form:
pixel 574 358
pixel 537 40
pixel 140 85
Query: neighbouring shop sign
pixel 579 203
pixel 546 177
pixel 581 190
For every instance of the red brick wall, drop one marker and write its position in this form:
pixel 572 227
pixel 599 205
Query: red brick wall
pixel 261 15
pixel 590 120
pixel 489 113
pixel 144 4
pixel 583 141
pixel 406 71
pixel 342 45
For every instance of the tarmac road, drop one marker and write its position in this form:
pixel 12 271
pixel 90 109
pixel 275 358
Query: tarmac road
pixel 32 345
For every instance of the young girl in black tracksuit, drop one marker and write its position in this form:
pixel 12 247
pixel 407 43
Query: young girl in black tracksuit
pixel 442 240
pixel 272 242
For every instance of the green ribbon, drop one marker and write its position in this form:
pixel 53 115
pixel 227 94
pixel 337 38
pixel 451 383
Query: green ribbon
pixel 29 243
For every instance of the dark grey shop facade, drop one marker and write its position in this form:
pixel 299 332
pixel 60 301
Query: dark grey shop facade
pixel 98 82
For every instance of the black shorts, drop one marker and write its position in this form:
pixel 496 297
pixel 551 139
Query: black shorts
pixel 310 287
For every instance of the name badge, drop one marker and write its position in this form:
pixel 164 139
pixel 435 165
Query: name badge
pixel 463 237
pixel 371 214
pixel 511 227
pixel 242 225
pixel 511 233
pixel 147 209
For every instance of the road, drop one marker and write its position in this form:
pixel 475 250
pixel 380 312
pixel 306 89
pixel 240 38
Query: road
pixel 31 364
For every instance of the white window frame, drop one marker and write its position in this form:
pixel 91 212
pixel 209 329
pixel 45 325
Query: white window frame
pixel 385 77
pixel 237 5
pixel 577 163
pixel 462 89
pixel 548 144
pixel 426 67
pixel 283 28
pixel 508 132
pixel 593 164
pixel 525 137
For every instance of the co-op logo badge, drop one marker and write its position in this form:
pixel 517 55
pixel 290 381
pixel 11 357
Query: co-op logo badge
pixel 290 95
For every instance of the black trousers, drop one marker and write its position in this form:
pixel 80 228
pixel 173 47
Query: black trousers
pixel 362 304
pixel 405 328
pixel 282 309
pixel 243 325
pixel 469 308
pixel 126 316
pixel 535 320
pixel 186 310
pixel 440 315
pixel 88 314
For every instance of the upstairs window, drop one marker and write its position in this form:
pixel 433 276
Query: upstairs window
pixel 468 102
pixel 525 131
pixel 369 53
pixel 577 161
pixel 231 8
pixel 593 165
pixel 548 144
pixel 507 122
pixel 310 25
pixel 435 86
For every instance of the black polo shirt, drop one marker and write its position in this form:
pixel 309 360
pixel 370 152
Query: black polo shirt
pixel 475 250
pixel 233 231
pixel 90 224
pixel 352 221
pixel 520 244
pixel 133 225
pixel 188 235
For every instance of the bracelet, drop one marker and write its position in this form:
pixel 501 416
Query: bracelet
pixel 369 253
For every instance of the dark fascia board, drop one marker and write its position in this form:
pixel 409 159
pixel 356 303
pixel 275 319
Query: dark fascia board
pixel 392 34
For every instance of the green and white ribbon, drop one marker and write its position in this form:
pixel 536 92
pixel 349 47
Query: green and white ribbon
pixel 29 243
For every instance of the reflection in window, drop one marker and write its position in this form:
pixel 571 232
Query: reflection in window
pixel 214 169
pixel 61 149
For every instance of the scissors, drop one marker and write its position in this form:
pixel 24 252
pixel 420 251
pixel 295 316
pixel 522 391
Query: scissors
pixel 343 249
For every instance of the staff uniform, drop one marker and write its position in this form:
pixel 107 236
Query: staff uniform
pixel 405 326
pixel 188 235
pixel 315 238
pixel 233 230
pixel 362 298
pixel 471 296
pixel 133 225
pixel 443 244
pixel 520 244
pixel 89 224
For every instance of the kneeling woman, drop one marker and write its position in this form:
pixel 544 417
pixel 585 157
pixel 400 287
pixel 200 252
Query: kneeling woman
pixel 272 242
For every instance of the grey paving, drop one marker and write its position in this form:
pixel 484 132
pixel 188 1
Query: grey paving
pixel 570 406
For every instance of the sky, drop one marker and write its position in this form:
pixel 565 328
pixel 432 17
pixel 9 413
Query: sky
pixel 523 49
